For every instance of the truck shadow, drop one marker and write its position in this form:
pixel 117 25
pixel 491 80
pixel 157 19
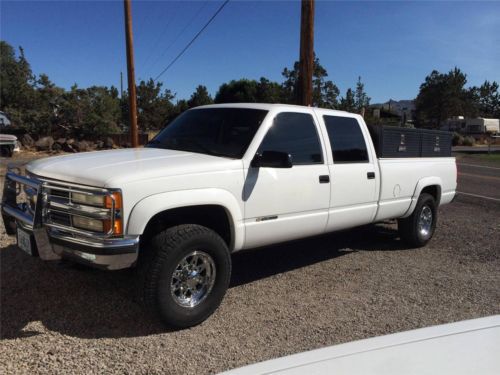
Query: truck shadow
pixel 256 264
pixel 81 302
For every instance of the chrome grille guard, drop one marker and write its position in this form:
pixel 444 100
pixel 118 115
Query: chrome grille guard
pixel 41 201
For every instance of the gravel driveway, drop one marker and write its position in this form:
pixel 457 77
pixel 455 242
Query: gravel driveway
pixel 282 300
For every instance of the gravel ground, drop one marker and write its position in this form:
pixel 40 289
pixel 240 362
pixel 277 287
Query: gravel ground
pixel 282 300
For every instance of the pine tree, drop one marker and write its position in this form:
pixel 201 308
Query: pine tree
pixel 200 97
pixel 325 92
pixel 348 102
pixel 362 100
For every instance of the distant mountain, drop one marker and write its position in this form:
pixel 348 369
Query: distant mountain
pixel 398 107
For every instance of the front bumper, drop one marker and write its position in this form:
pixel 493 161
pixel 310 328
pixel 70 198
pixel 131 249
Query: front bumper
pixel 50 243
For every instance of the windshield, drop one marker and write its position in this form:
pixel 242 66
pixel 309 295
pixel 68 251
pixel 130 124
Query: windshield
pixel 215 131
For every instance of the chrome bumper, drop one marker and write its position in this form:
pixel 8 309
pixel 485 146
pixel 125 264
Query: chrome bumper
pixel 52 243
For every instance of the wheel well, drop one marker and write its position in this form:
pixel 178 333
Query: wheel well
pixel 211 216
pixel 434 190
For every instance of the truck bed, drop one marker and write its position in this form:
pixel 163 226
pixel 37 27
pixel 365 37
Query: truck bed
pixel 399 178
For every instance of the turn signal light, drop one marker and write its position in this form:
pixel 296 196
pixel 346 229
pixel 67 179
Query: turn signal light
pixel 116 197
pixel 117 227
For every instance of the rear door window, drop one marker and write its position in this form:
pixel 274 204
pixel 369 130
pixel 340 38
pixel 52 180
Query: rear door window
pixel 346 140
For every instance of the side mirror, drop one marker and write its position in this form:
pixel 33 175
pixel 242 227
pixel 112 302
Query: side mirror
pixel 272 159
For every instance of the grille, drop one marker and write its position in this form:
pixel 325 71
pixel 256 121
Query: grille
pixel 60 209
pixel 60 218
pixel 48 203
pixel 59 193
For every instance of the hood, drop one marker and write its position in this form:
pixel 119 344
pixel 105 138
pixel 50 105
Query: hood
pixel 113 168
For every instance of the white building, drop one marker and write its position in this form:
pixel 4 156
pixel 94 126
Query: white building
pixel 472 125
pixel 455 124
pixel 482 125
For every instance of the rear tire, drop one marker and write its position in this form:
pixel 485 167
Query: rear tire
pixel 186 274
pixel 418 228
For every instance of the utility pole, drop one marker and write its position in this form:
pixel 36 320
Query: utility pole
pixel 131 74
pixel 306 63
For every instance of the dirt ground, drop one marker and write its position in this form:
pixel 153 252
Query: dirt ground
pixel 283 299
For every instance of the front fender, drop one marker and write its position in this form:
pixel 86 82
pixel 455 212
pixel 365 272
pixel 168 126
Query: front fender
pixel 148 207
pixel 421 185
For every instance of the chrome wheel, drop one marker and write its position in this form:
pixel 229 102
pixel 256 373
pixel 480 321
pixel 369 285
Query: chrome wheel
pixel 425 222
pixel 193 279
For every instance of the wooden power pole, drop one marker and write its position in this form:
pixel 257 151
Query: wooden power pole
pixel 306 63
pixel 132 98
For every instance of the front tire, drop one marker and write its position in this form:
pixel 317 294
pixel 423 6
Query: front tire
pixel 418 228
pixel 187 273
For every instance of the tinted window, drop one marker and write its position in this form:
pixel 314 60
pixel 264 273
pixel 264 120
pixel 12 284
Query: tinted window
pixel 347 141
pixel 214 131
pixel 294 133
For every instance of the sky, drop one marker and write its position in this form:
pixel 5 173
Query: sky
pixel 393 45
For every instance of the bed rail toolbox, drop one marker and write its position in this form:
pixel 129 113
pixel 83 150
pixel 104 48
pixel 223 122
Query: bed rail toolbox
pixel 399 142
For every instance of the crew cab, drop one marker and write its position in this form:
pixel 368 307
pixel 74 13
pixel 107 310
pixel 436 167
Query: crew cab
pixel 216 180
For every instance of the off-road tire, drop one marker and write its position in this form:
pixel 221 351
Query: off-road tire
pixel 409 229
pixel 159 261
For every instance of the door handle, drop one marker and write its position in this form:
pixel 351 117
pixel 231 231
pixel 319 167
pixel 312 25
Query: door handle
pixel 370 175
pixel 324 179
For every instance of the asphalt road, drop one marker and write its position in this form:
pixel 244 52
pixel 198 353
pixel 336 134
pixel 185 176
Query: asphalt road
pixel 479 181
pixel 476 149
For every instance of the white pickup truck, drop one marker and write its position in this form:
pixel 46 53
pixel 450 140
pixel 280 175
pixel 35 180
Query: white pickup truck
pixel 219 179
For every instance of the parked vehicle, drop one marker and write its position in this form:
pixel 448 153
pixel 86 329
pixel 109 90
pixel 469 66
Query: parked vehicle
pixel 219 179
pixel 8 144
pixel 483 125
pixel 466 347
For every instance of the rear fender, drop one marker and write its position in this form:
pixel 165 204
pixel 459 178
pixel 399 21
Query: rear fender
pixel 421 185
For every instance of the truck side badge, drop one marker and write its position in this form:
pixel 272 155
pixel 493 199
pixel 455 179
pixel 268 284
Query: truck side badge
pixel 402 144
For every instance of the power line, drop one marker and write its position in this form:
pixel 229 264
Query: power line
pixel 141 22
pixel 192 40
pixel 160 35
pixel 178 35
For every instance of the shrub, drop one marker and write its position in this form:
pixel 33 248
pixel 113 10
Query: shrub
pixel 457 140
pixel 468 141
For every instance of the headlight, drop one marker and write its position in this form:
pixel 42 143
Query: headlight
pixel 91 200
pixel 86 223
pixel 113 202
pixel 108 201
